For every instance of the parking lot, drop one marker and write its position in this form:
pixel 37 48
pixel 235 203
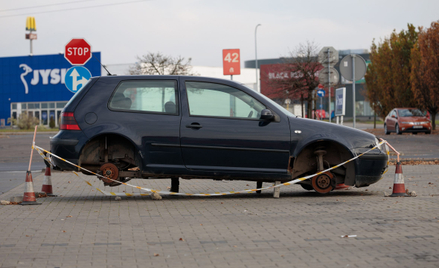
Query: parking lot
pixel 83 228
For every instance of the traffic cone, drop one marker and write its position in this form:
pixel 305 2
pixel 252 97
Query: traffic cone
pixel 47 183
pixel 341 186
pixel 29 194
pixel 398 184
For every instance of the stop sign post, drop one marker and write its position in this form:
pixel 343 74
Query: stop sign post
pixel 77 51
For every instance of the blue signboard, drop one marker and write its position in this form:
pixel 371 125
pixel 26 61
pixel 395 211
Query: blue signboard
pixel 320 93
pixel 340 101
pixel 38 78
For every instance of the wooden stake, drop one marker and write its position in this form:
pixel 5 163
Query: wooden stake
pixel 32 150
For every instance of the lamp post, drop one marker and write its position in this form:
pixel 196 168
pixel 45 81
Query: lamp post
pixel 256 58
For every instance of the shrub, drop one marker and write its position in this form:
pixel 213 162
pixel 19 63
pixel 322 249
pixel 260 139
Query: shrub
pixel 52 122
pixel 26 122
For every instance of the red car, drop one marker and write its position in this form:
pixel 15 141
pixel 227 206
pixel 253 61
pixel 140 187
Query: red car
pixel 401 120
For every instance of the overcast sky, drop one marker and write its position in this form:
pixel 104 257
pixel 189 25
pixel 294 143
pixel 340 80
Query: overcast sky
pixel 122 30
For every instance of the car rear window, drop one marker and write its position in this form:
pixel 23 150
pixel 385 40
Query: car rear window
pixel 155 96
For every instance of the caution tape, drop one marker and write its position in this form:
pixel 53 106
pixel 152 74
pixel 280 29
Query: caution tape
pixel 41 151
pixel 109 193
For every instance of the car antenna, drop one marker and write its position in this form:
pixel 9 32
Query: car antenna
pixel 109 74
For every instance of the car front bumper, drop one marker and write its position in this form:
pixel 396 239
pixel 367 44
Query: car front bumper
pixel 370 167
pixel 415 128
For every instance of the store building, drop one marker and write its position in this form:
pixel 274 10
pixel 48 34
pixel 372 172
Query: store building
pixel 35 85
pixel 362 105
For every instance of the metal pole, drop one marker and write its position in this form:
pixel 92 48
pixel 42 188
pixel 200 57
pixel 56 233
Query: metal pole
pixel 30 39
pixel 329 87
pixel 256 60
pixel 353 84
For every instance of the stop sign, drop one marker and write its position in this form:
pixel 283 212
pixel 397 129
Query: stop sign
pixel 77 52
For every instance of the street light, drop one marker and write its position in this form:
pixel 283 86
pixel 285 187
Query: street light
pixel 256 58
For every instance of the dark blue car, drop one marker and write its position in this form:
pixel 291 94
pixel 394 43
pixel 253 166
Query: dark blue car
pixel 195 127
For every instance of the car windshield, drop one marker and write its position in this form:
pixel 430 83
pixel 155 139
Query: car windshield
pixel 410 112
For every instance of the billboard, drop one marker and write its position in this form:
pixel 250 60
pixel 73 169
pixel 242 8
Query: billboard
pixel 38 78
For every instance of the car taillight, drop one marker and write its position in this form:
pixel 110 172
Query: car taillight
pixel 68 122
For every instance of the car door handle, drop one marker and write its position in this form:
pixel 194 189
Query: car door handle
pixel 194 125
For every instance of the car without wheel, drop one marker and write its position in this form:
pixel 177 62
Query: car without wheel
pixel 402 120
pixel 125 127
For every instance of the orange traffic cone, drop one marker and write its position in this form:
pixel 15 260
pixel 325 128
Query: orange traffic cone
pixel 398 184
pixel 47 183
pixel 29 194
pixel 341 186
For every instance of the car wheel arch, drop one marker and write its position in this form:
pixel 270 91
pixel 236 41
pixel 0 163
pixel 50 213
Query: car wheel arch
pixel 119 147
pixel 386 131
pixel 304 162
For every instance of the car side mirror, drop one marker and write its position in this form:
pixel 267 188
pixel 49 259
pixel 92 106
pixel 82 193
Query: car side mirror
pixel 393 116
pixel 267 115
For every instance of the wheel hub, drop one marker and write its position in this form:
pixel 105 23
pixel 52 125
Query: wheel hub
pixel 111 172
pixel 323 183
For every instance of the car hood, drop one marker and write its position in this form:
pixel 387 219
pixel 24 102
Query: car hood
pixel 305 131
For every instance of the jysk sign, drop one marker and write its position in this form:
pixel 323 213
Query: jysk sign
pixel 37 79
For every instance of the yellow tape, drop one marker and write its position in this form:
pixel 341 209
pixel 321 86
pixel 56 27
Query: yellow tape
pixel 39 149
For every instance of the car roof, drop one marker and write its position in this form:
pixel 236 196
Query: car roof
pixel 121 77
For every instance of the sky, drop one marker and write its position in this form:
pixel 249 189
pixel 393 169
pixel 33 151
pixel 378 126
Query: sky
pixel 200 30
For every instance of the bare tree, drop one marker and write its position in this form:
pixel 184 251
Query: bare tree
pixel 299 75
pixel 159 64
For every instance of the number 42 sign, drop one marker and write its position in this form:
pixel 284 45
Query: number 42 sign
pixel 231 62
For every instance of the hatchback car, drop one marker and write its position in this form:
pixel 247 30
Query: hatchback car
pixel 196 127
pixel 401 120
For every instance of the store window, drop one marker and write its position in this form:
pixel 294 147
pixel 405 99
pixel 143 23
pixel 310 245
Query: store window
pixel 43 111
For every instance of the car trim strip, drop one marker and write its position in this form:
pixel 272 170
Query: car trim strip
pixel 221 148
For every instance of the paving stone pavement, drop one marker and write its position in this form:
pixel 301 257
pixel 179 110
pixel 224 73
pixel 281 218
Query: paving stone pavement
pixel 82 228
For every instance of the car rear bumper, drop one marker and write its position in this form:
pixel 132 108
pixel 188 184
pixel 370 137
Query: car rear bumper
pixel 67 147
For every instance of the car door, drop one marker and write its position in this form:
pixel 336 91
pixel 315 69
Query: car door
pixel 221 131
pixel 146 111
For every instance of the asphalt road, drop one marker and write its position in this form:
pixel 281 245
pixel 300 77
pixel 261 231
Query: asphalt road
pixel 14 159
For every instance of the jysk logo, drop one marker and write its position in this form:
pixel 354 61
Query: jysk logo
pixel 45 76
pixel 76 78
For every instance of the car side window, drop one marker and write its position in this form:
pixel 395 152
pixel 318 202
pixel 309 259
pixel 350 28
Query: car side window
pixel 156 96
pixel 216 100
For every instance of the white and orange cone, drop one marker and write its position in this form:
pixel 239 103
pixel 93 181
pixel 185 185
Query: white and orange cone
pixel 47 183
pixel 398 184
pixel 29 194
pixel 342 186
